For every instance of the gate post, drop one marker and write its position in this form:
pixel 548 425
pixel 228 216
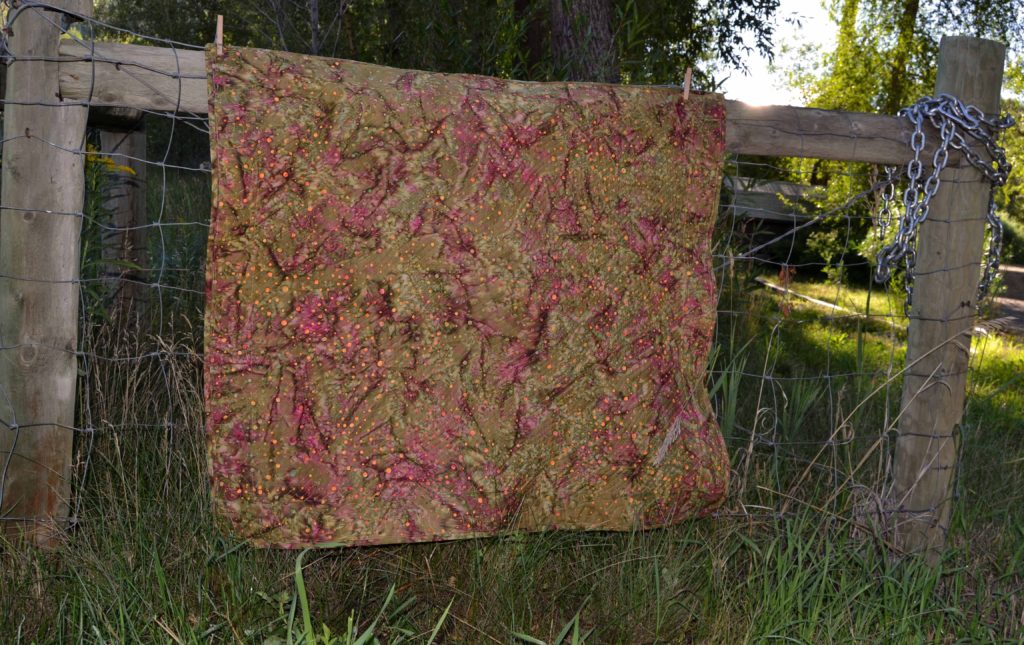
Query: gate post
pixel 41 201
pixel 949 253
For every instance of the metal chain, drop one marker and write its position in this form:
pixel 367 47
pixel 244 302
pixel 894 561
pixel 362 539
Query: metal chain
pixel 959 126
pixel 885 215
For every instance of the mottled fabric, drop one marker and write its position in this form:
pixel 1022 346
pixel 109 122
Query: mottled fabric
pixel 442 306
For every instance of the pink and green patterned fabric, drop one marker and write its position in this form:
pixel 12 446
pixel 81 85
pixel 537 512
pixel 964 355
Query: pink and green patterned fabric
pixel 442 306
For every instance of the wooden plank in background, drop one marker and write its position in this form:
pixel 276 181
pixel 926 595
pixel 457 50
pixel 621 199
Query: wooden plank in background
pixel 125 239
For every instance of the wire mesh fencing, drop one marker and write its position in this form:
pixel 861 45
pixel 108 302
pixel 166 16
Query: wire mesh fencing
pixel 805 377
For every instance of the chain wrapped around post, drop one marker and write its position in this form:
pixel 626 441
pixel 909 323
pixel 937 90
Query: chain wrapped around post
pixel 960 126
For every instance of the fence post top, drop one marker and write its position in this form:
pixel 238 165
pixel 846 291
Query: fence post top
pixel 971 69
pixel 960 38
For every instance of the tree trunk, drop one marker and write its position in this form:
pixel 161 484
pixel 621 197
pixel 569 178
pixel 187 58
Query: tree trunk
pixel 896 97
pixel 314 27
pixel 582 40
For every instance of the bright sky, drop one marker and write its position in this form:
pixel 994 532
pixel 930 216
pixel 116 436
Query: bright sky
pixel 766 87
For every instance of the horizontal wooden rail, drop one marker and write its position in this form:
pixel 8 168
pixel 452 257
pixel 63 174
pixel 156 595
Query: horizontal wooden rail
pixel 169 80
pixel 786 131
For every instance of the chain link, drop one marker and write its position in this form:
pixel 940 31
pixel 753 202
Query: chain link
pixel 959 126
pixel 885 214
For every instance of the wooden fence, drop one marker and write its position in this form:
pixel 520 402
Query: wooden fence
pixel 56 84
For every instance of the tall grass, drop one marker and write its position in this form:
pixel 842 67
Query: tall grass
pixel 147 563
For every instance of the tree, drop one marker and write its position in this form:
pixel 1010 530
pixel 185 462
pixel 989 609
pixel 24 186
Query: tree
pixel 664 37
pixel 884 59
pixel 1010 198
pixel 582 41
pixel 640 41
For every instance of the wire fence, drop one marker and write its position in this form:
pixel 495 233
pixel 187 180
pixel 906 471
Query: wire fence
pixel 805 376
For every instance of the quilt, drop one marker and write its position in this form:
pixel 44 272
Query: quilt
pixel 444 306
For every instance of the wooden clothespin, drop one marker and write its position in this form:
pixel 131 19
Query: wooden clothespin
pixel 218 39
pixel 686 83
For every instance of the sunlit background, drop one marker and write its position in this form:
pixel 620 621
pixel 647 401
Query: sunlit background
pixel 799 23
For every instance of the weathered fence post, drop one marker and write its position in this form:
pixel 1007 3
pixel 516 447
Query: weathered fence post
pixel 942 317
pixel 124 239
pixel 42 197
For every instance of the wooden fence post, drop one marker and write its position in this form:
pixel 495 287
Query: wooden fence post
pixel 124 241
pixel 42 197
pixel 942 317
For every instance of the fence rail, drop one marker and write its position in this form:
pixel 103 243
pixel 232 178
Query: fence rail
pixel 163 79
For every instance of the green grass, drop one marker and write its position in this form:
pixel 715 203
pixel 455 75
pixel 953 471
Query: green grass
pixel 147 563
pixel 873 301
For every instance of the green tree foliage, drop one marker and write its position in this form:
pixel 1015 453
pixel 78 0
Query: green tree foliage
pixel 1010 199
pixel 639 41
pixel 884 59
pixel 657 40
pixel 886 50
pixel 651 41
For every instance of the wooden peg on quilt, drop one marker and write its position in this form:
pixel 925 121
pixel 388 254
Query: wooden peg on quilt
pixel 218 39
pixel 686 83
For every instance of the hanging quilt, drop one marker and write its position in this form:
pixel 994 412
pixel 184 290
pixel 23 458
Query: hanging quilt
pixel 442 306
